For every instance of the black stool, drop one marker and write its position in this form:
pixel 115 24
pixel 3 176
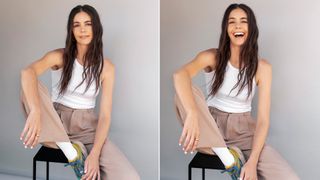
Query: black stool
pixel 48 155
pixel 204 161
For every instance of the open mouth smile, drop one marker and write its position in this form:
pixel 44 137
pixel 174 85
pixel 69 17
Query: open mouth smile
pixel 238 34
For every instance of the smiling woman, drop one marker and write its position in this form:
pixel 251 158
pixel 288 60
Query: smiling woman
pixel 67 120
pixel 223 124
pixel 238 26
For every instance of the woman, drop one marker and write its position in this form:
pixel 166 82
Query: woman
pixel 232 73
pixel 69 122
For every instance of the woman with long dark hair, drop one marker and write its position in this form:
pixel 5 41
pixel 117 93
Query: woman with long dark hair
pixel 223 124
pixel 67 120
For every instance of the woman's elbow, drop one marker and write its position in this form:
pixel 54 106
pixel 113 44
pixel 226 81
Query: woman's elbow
pixel 177 74
pixel 24 72
pixel 27 74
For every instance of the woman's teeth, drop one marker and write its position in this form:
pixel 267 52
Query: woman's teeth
pixel 238 34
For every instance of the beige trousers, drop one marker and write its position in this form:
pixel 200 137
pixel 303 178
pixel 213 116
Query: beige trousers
pixel 222 129
pixel 63 124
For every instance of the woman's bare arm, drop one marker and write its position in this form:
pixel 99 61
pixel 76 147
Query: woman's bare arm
pixel 92 161
pixel 29 84
pixel 183 83
pixel 105 107
pixel 264 78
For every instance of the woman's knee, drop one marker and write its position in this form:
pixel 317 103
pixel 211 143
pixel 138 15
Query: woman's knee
pixel 133 175
pixel 125 176
pixel 292 176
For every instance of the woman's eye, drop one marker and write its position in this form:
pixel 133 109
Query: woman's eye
pixel 76 25
pixel 231 22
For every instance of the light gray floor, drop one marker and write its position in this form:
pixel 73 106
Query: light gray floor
pixel 67 175
pixel 11 177
pixel 14 177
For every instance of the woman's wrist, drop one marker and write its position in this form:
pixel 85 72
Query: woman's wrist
pixel 35 110
pixel 192 115
pixel 95 152
pixel 36 113
pixel 191 112
pixel 253 160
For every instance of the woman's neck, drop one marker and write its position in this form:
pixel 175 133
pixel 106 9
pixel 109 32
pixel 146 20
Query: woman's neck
pixel 82 49
pixel 235 54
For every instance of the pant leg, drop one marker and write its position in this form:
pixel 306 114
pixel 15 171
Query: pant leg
pixel 272 166
pixel 51 126
pixel 113 163
pixel 210 135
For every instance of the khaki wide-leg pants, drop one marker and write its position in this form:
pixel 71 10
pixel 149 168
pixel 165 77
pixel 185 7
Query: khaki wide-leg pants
pixel 222 129
pixel 60 123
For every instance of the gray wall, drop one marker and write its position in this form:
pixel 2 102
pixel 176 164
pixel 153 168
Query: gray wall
pixel 31 28
pixel 289 36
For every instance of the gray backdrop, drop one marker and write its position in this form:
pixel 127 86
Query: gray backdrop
pixel 289 40
pixel 31 28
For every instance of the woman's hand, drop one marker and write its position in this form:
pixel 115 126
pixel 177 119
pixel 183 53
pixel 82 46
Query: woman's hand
pixel 190 133
pixel 91 167
pixel 31 130
pixel 249 171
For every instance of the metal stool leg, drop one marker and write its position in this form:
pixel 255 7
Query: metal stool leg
pixel 189 172
pixel 47 170
pixel 203 173
pixel 34 169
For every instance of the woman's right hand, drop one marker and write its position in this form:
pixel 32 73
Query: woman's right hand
pixel 190 133
pixel 31 130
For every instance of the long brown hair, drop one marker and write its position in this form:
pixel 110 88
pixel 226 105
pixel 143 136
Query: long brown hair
pixel 93 59
pixel 248 55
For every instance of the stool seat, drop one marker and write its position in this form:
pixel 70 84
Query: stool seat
pixel 51 155
pixel 204 161
pixel 48 155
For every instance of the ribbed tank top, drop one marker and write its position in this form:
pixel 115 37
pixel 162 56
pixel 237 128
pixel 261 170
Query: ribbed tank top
pixel 74 98
pixel 223 99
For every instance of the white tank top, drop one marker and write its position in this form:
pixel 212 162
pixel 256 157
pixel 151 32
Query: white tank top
pixel 76 99
pixel 223 99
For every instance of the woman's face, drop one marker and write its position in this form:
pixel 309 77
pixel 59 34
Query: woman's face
pixel 82 28
pixel 237 27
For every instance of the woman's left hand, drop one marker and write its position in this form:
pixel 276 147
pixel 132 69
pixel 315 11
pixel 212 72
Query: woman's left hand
pixel 249 171
pixel 91 167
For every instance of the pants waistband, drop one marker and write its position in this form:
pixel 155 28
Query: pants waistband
pixel 66 108
pixel 223 113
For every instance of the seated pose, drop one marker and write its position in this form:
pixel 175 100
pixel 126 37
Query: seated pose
pixel 67 119
pixel 223 125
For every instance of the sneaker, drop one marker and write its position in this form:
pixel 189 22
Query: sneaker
pixel 82 147
pixel 77 164
pixel 235 170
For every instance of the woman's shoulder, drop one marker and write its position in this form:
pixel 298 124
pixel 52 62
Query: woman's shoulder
pixel 208 54
pixel 264 70
pixel 208 58
pixel 56 57
pixel 108 68
pixel 264 65
pixel 56 53
pixel 107 64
